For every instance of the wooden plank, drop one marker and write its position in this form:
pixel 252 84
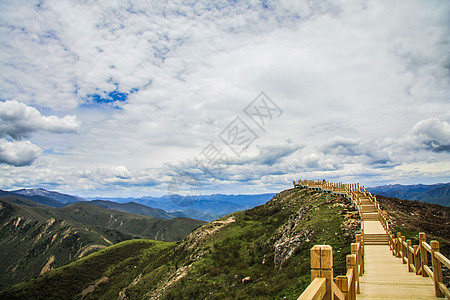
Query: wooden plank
pixel 443 259
pixel 426 246
pixel 387 278
pixel 429 272
pixel 337 292
pixel 444 289
pixel 316 290
pixel 437 268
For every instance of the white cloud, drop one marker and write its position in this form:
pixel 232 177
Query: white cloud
pixel 351 78
pixel 432 133
pixel 18 120
pixel 18 153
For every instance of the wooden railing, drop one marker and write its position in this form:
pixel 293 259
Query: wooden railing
pixel 416 259
pixel 323 286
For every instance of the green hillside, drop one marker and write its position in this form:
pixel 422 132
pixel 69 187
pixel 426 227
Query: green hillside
pixel 35 238
pixel 269 243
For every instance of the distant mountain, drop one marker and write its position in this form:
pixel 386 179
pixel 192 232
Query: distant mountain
pixel 435 193
pixel 136 208
pixel 35 198
pixel 35 237
pixel 63 198
pixel 206 207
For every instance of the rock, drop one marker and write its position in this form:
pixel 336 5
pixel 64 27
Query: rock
pixel 246 280
pixel 291 240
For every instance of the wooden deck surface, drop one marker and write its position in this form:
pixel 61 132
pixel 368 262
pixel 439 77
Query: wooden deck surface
pixel 386 277
pixel 373 227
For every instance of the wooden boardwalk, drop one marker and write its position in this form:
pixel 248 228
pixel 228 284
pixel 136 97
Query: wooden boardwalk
pixel 386 277
pixel 381 265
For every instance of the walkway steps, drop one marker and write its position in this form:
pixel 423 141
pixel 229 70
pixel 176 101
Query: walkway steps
pixel 365 201
pixel 386 277
pixel 370 216
pixel 376 239
pixel 368 209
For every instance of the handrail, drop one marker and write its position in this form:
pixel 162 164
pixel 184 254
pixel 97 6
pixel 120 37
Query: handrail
pixel 417 259
pixel 316 290
pixel 337 292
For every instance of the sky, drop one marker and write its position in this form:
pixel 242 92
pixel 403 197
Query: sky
pixel 133 98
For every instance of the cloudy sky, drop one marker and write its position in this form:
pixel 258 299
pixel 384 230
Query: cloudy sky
pixel 117 98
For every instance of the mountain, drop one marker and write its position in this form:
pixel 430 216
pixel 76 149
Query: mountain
pixel 269 243
pixel 205 207
pixel 63 198
pixel 35 198
pixel 136 208
pixel 35 238
pixel 436 193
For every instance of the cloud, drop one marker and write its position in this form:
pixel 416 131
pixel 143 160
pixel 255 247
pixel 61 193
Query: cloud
pixel 433 134
pixel 18 153
pixel 18 120
pixel 269 155
pixel 355 150
pixel 154 82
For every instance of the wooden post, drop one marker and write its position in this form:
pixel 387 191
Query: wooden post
pixel 417 259
pixel 351 264
pixel 437 268
pixel 399 237
pixel 354 248
pixel 410 256
pixel 359 239
pixel 322 266
pixel 423 253
pixel 391 242
pixel 402 246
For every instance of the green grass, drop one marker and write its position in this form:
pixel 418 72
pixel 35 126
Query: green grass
pixel 69 281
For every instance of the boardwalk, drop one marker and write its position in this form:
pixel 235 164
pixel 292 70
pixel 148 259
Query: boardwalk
pixel 386 277
pixel 373 271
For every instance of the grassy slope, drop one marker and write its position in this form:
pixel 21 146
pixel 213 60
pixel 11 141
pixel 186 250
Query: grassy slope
pixel 30 236
pixel 212 261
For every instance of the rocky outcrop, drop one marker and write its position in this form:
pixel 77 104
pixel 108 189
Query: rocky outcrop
pixel 291 239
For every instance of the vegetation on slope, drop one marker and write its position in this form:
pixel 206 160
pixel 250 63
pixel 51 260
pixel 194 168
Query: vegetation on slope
pixel 35 238
pixel 412 217
pixel 269 243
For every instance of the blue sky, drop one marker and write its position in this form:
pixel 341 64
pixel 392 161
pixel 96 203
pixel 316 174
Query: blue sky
pixel 124 98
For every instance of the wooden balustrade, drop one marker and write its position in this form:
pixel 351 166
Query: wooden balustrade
pixel 323 286
pixel 416 259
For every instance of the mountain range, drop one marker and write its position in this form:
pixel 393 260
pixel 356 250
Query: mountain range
pixel 206 207
pixel 35 237
pixel 436 193
pixel 63 198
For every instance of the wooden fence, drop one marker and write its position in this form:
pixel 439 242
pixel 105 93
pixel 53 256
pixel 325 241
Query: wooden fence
pixel 323 285
pixel 416 259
